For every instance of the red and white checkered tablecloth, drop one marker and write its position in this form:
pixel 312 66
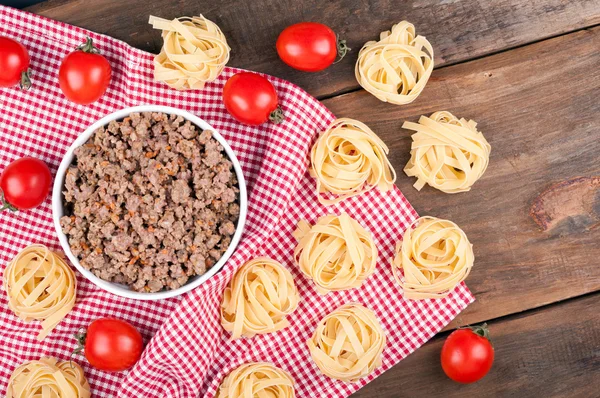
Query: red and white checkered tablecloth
pixel 188 353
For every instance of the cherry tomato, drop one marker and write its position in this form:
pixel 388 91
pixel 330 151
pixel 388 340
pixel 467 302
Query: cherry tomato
pixel 14 64
pixel 251 99
pixel 25 184
pixel 467 354
pixel 110 344
pixel 309 46
pixel 84 74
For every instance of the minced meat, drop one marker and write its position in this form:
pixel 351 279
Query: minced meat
pixel 150 201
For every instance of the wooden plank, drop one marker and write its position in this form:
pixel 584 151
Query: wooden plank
pixel 551 352
pixel 538 107
pixel 459 30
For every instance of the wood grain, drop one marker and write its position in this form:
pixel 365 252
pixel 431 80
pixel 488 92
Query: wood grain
pixel 538 107
pixel 533 218
pixel 535 356
pixel 459 30
pixel 552 210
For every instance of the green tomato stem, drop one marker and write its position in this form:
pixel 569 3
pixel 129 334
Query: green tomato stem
pixel 481 330
pixel 25 82
pixel 5 204
pixel 277 116
pixel 88 46
pixel 342 49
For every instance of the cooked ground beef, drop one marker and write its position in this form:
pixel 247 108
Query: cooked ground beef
pixel 150 201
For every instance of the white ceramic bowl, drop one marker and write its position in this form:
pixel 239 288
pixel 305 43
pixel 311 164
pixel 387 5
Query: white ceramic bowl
pixel 58 208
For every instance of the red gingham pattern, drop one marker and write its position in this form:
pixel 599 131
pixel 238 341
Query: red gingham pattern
pixel 190 353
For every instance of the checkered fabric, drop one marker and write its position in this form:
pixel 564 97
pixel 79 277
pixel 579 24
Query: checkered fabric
pixel 188 353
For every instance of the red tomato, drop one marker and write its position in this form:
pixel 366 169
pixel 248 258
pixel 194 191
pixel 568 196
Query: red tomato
pixel 111 345
pixel 84 74
pixel 467 354
pixel 251 99
pixel 14 64
pixel 309 46
pixel 25 184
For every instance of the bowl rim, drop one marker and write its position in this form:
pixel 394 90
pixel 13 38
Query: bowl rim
pixel 58 207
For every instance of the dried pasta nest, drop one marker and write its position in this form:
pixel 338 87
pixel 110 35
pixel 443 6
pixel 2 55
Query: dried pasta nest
pixel 40 286
pixel 258 379
pixel 447 153
pixel 349 159
pixel 48 378
pixel 347 344
pixel 258 299
pixel 396 68
pixel 337 253
pixel 432 258
pixel 194 52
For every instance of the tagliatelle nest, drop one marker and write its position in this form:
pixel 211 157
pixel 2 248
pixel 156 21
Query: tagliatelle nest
pixel 194 52
pixel 349 159
pixel 258 379
pixel 48 378
pixel 396 68
pixel 432 258
pixel 40 286
pixel 447 153
pixel 258 299
pixel 337 253
pixel 347 344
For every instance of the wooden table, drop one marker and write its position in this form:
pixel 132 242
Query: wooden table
pixel 529 73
